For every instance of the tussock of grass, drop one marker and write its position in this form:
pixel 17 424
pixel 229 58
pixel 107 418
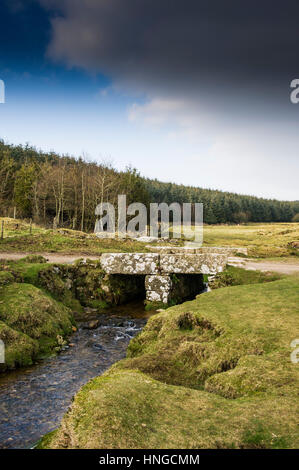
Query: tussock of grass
pixel 6 278
pixel 34 259
pixel 255 374
pixel 214 372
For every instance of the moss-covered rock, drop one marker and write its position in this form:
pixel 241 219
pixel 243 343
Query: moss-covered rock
pixel 58 281
pixel 32 323
pixel 78 285
pixel 20 349
pixel 85 283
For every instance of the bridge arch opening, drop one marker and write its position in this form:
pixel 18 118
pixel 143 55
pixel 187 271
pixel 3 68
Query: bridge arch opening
pixel 156 290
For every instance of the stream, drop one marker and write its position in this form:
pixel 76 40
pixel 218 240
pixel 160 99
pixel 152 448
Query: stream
pixel 33 400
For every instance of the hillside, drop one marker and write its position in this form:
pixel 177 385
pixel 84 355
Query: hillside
pixel 62 190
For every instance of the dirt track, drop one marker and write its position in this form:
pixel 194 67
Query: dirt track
pixel 275 266
pixel 283 267
pixel 51 257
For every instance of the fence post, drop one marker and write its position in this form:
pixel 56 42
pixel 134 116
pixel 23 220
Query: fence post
pixel 2 229
pixel 30 226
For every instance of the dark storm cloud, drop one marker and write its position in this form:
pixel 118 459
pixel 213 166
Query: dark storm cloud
pixel 179 44
pixel 214 80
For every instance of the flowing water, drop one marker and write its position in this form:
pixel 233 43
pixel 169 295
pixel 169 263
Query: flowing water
pixel 33 400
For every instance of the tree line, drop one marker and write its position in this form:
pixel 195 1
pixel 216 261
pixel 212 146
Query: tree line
pixel 62 191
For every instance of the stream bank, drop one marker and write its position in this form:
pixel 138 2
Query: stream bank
pixel 33 400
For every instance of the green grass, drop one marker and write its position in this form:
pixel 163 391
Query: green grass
pixel 214 372
pixel 267 240
pixel 62 241
pixel 26 270
pixel 262 240
pixel 18 227
pixel 232 276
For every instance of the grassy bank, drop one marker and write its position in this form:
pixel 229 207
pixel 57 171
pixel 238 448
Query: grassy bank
pixel 233 276
pixel 214 372
pixel 17 238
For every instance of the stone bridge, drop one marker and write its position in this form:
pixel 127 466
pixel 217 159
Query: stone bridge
pixel 169 276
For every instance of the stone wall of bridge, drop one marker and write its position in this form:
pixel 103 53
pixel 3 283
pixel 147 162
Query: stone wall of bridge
pixel 173 288
pixel 155 263
pixel 169 277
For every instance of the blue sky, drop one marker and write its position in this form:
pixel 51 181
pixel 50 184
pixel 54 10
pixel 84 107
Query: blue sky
pixel 149 87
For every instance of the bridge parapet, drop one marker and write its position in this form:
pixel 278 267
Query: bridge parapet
pixel 130 263
pixel 224 250
pixel 154 263
pixel 208 263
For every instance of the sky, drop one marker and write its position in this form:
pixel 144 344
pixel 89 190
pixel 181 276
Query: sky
pixel 194 92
